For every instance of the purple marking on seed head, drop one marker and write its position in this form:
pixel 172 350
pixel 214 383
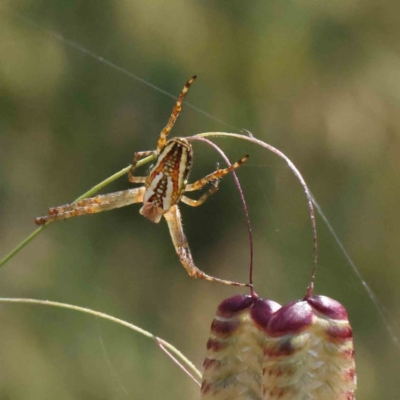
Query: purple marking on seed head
pixel 284 348
pixel 216 345
pixel 229 307
pixel 205 387
pixel 211 363
pixel 291 318
pixel 349 353
pixel 328 307
pixel 350 395
pixel 340 332
pixel 350 375
pixel 262 311
pixel 224 328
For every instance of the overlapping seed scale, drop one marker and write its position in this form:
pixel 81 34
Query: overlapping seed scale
pixel 309 354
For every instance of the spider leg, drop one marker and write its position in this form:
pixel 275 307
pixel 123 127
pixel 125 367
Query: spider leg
pixel 173 218
pixel 136 157
pixel 203 198
pixel 93 205
pixel 218 174
pixel 174 116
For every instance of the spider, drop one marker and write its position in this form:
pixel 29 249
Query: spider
pixel 163 189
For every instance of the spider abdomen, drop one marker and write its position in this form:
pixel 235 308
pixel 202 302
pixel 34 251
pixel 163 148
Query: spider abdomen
pixel 166 180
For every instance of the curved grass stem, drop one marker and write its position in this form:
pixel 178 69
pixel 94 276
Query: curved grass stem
pixel 245 208
pixel 89 193
pixel 252 139
pixel 178 355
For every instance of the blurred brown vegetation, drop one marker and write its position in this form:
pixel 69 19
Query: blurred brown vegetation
pixel 318 80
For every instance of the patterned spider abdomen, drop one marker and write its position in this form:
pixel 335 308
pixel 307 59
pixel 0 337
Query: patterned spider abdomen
pixel 167 179
pixel 233 365
pixel 309 352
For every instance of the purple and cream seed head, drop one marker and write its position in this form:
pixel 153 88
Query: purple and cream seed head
pixel 297 315
pixel 309 352
pixel 262 311
pixel 234 304
pixel 233 367
pixel 328 307
pixel 291 318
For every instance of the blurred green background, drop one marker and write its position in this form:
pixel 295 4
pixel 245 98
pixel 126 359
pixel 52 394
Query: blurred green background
pixel 318 80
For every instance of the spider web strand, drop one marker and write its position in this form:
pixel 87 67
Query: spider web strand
pixel 112 65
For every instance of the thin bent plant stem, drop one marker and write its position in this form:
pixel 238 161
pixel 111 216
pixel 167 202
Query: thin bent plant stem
pixel 89 193
pixel 299 177
pixel 98 314
pixel 176 361
pixel 245 209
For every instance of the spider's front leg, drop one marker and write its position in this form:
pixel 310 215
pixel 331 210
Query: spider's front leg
pixel 173 218
pixel 136 157
pixel 93 205
pixel 174 116
pixel 218 174
pixel 203 198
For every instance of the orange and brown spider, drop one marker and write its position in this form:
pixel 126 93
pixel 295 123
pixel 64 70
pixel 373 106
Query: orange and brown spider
pixel 163 189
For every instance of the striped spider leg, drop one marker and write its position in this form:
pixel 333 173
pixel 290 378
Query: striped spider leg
pixel 164 187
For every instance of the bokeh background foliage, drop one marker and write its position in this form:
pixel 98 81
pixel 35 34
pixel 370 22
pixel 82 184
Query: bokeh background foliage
pixel 319 80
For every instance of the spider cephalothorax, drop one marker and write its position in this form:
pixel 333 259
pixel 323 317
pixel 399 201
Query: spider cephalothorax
pixel 163 189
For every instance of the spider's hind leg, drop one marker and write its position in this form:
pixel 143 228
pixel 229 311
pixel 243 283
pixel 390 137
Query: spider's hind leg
pixel 173 218
pixel 93 205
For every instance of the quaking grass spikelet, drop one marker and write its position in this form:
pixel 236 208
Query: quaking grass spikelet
pixel 309 353
pixel 233 366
